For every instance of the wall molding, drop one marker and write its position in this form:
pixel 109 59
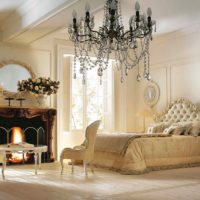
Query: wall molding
pixel 178 61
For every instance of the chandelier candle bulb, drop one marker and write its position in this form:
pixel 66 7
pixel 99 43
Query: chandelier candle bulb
pixel 137 6
pixel 149 12
pixel 130 47
pixel 74 14
pixel 87 7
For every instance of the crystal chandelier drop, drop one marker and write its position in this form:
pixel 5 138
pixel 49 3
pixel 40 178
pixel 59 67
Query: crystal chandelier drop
pixel 128 48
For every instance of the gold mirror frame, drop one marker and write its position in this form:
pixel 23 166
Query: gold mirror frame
pixel 22 64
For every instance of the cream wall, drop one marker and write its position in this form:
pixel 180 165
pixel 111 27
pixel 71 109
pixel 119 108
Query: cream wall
pixel 175 66
pixel 38 59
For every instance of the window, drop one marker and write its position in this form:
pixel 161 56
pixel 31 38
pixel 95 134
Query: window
pixel 93 100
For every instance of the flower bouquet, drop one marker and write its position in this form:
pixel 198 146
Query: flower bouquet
pixel 39 86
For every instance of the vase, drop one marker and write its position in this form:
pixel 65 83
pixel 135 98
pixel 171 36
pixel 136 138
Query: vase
pixel 42 100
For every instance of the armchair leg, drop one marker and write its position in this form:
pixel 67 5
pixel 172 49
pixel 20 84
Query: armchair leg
pixel 62 166
pixel 72 163
pixel 91 167
pixel 85 167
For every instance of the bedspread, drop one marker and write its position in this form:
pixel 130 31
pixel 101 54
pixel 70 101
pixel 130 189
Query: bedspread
pixel 152 153
pixel 119 142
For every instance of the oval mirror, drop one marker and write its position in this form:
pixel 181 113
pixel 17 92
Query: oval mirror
pixel 151 93
pixel 11 72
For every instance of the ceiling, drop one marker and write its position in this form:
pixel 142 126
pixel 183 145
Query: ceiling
pixel 171 15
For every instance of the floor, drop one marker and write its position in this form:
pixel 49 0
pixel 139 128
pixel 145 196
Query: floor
pixel 22 184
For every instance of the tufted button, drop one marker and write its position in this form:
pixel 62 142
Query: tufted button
pixel 194 115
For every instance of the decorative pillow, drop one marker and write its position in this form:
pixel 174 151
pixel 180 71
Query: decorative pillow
pixel 170 129
pixel 179 130
pixel 157 128
pixel 195 130
pixel 182 130
pixel 187 130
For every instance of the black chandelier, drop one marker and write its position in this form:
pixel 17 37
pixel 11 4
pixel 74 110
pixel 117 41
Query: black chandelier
pixel 127 47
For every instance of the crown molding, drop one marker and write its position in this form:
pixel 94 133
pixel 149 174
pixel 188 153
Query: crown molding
pixel 193 29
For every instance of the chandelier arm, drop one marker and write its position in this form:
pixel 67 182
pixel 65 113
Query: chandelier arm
pixel 97 32
pixel 87 40
pixel 134 36
pixel 93 39
pixel 135 30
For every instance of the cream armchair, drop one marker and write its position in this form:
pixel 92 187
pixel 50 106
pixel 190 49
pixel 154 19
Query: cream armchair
pixel 84 152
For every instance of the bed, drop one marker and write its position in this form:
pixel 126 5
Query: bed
pixel 172 142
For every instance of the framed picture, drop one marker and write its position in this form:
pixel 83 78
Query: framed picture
pixel 151 93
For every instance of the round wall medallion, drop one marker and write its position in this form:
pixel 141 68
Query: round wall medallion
pixel 151 93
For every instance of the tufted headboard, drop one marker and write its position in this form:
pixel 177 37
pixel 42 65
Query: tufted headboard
pixel 180 110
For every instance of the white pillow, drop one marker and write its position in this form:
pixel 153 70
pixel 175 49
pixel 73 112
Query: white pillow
pixel 157 128
pixel 170 129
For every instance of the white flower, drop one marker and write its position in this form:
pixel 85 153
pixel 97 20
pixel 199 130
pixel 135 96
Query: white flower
pixel 38 80
pixel 36 88
pixel 52 87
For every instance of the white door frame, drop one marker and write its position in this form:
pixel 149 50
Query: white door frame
pixel 61 50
